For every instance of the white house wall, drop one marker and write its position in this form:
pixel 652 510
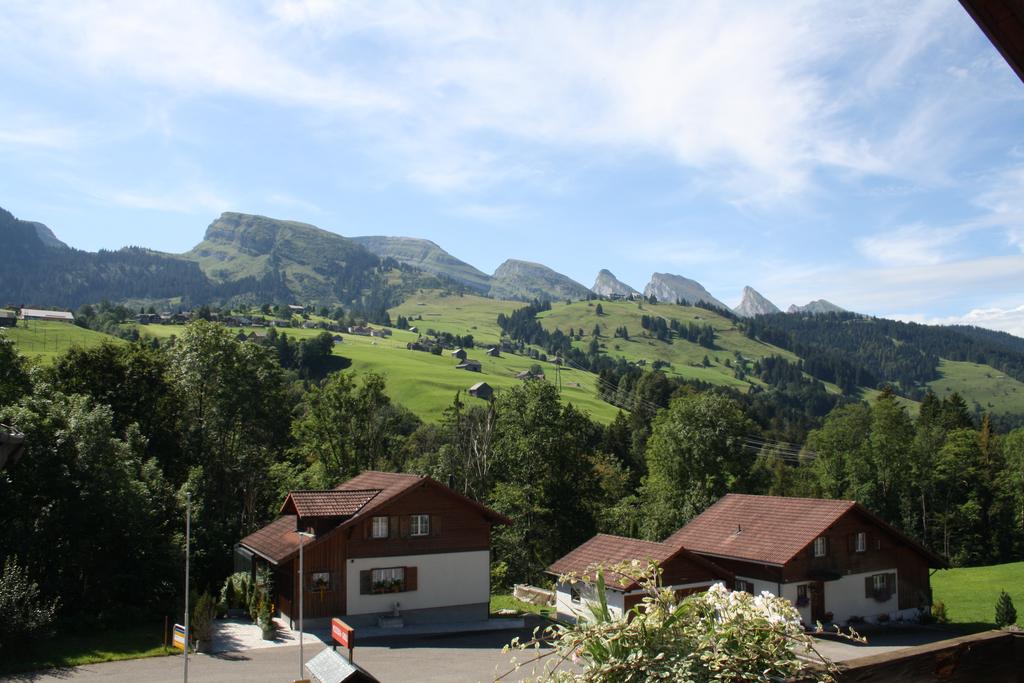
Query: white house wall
pixel 845 598
pixel 442 580
pixel 572 611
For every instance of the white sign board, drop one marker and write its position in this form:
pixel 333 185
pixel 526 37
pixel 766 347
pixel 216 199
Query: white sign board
pixel 330 667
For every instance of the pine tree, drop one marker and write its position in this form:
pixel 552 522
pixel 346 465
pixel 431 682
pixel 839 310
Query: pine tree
pixel 1006 613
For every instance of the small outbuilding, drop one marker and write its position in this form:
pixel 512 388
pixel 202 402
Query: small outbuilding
pixel 460 354
pixel 40 314
pixel 482 390
pixel 469 364
pixel 8 318
pixel 494 352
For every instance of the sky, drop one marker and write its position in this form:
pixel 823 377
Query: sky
pixel 869 153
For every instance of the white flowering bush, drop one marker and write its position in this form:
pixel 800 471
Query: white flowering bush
pixel 719 635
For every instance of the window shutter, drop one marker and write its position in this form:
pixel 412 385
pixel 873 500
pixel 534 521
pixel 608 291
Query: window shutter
pixel 851 543
pixel 890 585
pixel 393 526
pixel 435 525
pixel 364 582
pixel 406 520
pixel 410 579
pixel 869 587
pixel 367 528
pixel 828 543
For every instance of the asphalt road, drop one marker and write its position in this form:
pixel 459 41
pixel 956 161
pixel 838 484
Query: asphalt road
pixel 447 659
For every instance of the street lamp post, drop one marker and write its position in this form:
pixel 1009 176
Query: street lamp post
pixel 302 589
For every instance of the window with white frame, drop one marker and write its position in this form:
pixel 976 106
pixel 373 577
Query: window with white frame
pixel 574 592
pixel 745 586
pixel 419 525
pixel 380 527
pixel 387 578
pixel 821 546
pixel 879 582
pixel 861 544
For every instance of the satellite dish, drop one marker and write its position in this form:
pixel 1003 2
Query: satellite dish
pixel 12 445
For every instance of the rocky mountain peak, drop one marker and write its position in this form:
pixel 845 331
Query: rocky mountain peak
pixel 753 303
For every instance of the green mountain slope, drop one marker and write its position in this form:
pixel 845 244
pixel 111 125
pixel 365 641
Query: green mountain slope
pixel 524 280
pixel 427 256
pixel 290 258
pixel 685 357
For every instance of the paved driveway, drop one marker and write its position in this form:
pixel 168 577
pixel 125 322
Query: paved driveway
pixel 442 659
pixel 880 642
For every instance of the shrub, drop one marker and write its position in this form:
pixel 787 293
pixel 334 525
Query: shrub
pixel 939 613
pixel 203 614
pixel 1006 613
pixel 24 615
pixel 718 635
pixel 499 577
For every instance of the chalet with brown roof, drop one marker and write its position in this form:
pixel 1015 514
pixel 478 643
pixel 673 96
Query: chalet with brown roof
pixel 379 540
pixel 833 559
pixel 683 571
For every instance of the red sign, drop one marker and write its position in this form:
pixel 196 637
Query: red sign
pixel 343 634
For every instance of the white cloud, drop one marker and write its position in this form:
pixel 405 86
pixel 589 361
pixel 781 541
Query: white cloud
pixel 1006 319
pixel 741 93
pixel 910 245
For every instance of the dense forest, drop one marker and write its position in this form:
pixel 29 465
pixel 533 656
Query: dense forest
pixel 853 350
pixel 117 435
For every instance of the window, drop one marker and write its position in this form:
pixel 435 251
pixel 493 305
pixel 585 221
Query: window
pixel 801 595
pixel 821 546
pixel 419 525
pixel 387 580
pixel 574 593
pixel 380 527
pixel 861 544
pixel 390 580
pixel 319 582
pixel 878 582
pixel 744 586
pixel 881 587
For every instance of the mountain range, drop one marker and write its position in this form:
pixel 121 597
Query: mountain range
pixel 256 258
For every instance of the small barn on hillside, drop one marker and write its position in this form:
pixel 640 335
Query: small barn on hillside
pixel 460 354
pixel 481 390
pixel 494 352
pixel 469 364
pixel 39 314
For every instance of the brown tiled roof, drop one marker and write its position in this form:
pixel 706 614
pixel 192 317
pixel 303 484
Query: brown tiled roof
pixel 607 550
pixel 276 541
pixel 329 503
pixel 356 499
pixel 392 485
pixel 768 529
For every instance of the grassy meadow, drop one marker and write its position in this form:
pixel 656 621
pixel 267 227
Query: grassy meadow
pixel 455 314
pixel 685 357
pixel 970 593
pixel 981 384
pixel 45 340
pixel 69 650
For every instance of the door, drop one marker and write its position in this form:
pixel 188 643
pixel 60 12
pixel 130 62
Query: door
pixel 817 590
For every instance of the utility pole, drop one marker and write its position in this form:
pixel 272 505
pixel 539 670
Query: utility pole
pixel 302 591
pixel 188 550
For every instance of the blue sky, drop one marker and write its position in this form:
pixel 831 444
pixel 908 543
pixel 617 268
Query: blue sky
pixel 868 153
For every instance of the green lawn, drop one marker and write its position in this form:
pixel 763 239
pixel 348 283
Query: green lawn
pixel 992 390
pixel 101 646
pixel 47 340
pixel 455 314
pixel 500 602
pixel 970 593
pixel 426 384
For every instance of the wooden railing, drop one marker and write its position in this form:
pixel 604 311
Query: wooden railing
pixel 989 657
